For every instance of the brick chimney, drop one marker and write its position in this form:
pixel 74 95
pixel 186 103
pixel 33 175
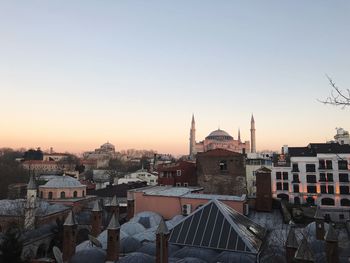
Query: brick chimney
pixel 69 237
pixel 319 222
pixel 304 253
pixel 162 236
pixel 114 207
pixel 131 209
pixel 331 239
pixel 96 219
pixel 291 245
pixel 113 232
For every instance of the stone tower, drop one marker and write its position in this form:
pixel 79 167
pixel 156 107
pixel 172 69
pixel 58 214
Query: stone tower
pixel 252 135
pixel 113 232
pixel 193 138
pixel 162 237
pixel 31 204
pixel 69 237
pixel 96 219
pixel 239 135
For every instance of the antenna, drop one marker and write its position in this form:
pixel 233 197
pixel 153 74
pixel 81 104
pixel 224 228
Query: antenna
pixel 57 254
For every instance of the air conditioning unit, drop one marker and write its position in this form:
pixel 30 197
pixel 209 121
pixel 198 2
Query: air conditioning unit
pixel 186 209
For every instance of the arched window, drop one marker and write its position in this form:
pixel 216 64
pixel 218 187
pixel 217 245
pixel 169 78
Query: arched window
pixel 310 200
pixel 327 201
pixel 284 197
pixel 75 194
pixel 50 195
pixel 41 194
pixel 83 193
pixel 345 202
pixel 297 200
pixel 63 195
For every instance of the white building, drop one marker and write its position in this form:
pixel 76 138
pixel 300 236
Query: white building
pixel 255 161
pixel 141 175
pixel 317 174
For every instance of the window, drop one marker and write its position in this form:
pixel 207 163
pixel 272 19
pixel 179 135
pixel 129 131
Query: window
pixel 329 165
pixel 321 164
pixel 295 168
pixel 279 186
pixel 329 177
pixel 311 178
pixel 323 189
pixel 345 202
pixel 285 186
pixel 75 194
pixel 178 184
pixel 178 172
pixel 322 177
pixel 343 178
pixel 223 165
pixel 296 188
pixel 285 175
pixel 341 216
pixel 50 195
pixel 327 201
pixel 296 178
pixel 330 189
pixel 311 189
pixel 83 193
pixel 161 174
pixel 344 190
pixel 63 195
pixel 297 200
pixel 185 184
pixel 310 200
pixel 310 168
pixel 278 175
pixel 342 164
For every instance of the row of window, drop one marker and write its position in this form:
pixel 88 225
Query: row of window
pixel 170 174
pixel 311 201
pixel 311 178
pixel 323 165
pixel 312 189
pixel 62 194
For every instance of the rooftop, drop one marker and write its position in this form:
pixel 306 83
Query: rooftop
pixel 62 182
pixel 167 190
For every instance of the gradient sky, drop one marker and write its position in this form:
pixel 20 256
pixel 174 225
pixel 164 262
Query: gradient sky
pixel 74 74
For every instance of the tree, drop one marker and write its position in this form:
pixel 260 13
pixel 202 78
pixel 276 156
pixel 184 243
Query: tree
pixel 12 245
pixel 337 97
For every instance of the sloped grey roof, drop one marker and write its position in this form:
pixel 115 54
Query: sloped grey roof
pixel 62 182
pixel 304 251
pixel 114 223
pixel 217 226
pixel 162 228
pixel 292 241
pixel 331 235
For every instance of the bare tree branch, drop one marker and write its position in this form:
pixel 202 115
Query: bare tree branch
pixel 338 97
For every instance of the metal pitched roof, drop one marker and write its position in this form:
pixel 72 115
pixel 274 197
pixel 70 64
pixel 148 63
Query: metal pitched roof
pixel 304 251
pixel 292 241
pixel 331 235
pixel 31 185
pixel 217 226
pixel 113 224
pixel 162 228
pixel 70 220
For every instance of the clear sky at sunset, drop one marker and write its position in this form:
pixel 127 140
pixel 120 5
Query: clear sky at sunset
pixel 74 74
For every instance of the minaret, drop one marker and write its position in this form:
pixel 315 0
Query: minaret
pixel 252 135
pixel 96 219
pixel 69 237
pixel 31 204
pixel 162 237
pixel 192 138
pixel 113 234
pixel 239 134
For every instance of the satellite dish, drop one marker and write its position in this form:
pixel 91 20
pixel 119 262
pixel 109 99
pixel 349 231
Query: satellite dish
pixel 58 254
pixel 95 241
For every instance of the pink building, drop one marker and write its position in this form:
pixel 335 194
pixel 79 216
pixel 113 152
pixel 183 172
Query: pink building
pixel 171 201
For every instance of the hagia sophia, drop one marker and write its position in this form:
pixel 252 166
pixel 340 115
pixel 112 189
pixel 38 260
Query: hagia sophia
pixel 220 139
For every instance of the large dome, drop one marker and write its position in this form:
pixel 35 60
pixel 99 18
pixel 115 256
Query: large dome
pixel 63 182
pixel 219 135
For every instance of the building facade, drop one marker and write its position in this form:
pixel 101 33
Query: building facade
pixel 317 175
pixel 221 172
pixel 220 139
pixel 181 173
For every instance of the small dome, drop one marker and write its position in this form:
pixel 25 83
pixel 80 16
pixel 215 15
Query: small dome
pixel 107 146
pixel 129 244
pixel 63 182
pixel 148 219
pixel 91 255
pixel 132 228
pixel 137 257
pixel 150 249
pixel 219 135
pixel 226 257
pixel 201 253
pixel 191 260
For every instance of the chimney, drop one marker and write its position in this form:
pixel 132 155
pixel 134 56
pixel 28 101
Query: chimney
pixel 291 245
pixel 69 236
pixel 114 207
pixel 304 253
pixel 131 209
pixel 319 223
pixel 162 235
pixel 113 232
pixel 331 239
pixel 96 219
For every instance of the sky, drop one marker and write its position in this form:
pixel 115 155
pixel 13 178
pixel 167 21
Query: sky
pixel 75 74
